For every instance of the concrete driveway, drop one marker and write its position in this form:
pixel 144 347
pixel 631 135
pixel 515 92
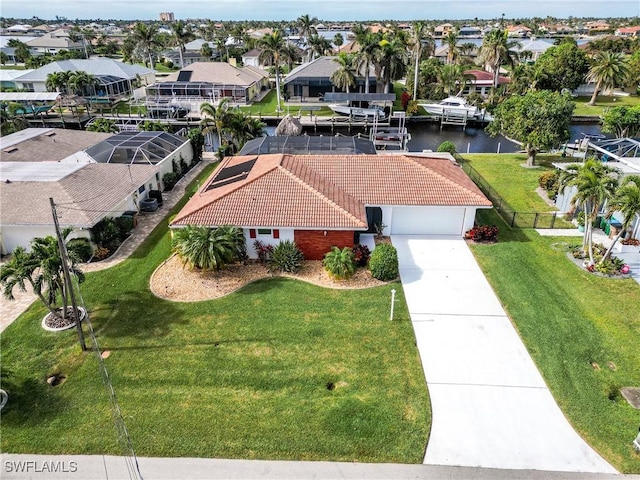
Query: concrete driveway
pixel 491 407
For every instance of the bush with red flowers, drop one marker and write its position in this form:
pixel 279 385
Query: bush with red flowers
pixel 361 254
pixel 483 233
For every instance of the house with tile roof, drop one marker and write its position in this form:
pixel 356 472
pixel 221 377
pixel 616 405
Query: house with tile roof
pixel 114 78
pixel 212 81
pixel 628 31
pixel 90 175
pixel 54 42
pixel 320 201
pixel 481 81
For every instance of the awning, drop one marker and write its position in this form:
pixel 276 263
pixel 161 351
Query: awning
pixel 28 96
pixel 358 97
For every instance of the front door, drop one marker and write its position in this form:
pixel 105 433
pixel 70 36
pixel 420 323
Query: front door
pixel 374 217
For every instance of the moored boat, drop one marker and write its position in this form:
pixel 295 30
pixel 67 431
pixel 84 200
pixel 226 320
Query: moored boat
pixel 453 106
pixel 360 113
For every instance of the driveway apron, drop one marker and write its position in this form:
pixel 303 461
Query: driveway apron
pixel 491 407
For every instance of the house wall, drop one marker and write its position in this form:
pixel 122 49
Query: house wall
pixel 268 239
pixel 166 165
pixel 315 243
pixel 12 236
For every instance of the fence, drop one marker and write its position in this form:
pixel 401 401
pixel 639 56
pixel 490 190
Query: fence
pixel 511 216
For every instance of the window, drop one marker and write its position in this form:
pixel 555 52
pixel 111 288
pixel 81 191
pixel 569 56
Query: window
pixel 141 189
pixel 252 233
pixel 276 233
pixel 264 231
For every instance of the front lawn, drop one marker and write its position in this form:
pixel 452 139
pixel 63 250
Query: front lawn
pixel 569 320
pixel 603 103
pixel 279 370
pixel 269 104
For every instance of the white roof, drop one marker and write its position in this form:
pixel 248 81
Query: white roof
pixel 29 96
pixel 8 75
pixel 22 135
pixel 36 171
pixel 93 66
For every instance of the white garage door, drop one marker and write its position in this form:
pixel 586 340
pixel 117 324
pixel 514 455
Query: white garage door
pixel 427 221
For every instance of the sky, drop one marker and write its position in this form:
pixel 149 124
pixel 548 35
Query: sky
pixel 347 10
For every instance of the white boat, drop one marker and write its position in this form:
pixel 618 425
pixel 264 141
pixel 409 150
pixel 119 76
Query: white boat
pixel 453 106
pixel 359 113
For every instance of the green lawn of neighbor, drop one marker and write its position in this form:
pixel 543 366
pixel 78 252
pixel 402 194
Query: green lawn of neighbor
pixel 279 370
pixel 269 104
pixel 602 103
pixel 569 319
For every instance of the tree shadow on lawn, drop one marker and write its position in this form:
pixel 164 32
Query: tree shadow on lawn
pixel 136 314
pixel 31 402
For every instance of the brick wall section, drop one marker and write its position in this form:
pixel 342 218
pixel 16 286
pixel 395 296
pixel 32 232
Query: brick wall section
pixel 314 244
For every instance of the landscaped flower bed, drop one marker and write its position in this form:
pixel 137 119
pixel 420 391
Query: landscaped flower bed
pixel 612 267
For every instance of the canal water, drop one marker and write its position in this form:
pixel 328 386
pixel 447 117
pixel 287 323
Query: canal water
pixel 428 136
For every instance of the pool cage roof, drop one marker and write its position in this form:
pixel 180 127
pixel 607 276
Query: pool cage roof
pixel 129 148
pixel 624 150
pixel 305 144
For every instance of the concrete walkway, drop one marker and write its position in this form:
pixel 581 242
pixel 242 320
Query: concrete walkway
pixel 105 467
pixel 147 221
pixel 491 407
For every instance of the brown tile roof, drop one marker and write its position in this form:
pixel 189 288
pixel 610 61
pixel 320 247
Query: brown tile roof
pixel 84 196
pixel 218 72
pixel 327 191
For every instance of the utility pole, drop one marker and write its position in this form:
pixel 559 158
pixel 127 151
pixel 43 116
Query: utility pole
pixel 64 256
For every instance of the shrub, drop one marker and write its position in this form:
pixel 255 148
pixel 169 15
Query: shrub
pixel 81 248
pixel 631 241
pixel 340 263
pixel 447 147
pixel 263 251
pixel 550 182
pixel 106 234
pixel 286 257
pixel 169 179
pixel 125 225
pixel 483 233
pixel 101 253
pixel 361 255
pixel 384 262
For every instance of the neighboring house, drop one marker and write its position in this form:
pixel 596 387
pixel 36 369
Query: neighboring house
pixel 621 153
pixel 468 31
pixel 90 175
pixel 596 27
pixel 212 81
pixel 114 78
pixel 628 31
pixel 188 58
pixel 442 30
pixel 320 201
pixel 54 42
pixel 518 31
pixel 252 59
pixel 313 79
pixel 8 77
pixel 535 46
pixel 481 82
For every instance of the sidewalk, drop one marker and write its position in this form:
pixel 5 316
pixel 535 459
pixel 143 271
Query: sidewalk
pixel 147 221
pixel 104 467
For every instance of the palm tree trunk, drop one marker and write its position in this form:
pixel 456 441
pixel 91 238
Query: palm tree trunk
pixel 496 75
pixel 181 58
pixel 615 240
pixel 366 77
pixel 415 76
pixel 278 85
pixel 595 93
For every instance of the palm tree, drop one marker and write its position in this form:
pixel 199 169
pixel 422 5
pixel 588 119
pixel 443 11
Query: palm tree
pixel 42 270
pixel 305 28
pixel 220 40
pixel 369 44
pixel 318 46
pixel 344 77
pixel 290 55
pixel 273 47
pixel 497 50
pixel 420 36
pixel 451 41
pixel 243 128
pixel 595 183
pixel 181 36
pixel 146 37
pixel 205 51
pixel 338 40
pixel 626 201
pixel 608 69
pixel 57 81
pixel 340 263
pixel 452 79
pixel 391 60
pixel 207 248
pixel 80 81
pixel 215 119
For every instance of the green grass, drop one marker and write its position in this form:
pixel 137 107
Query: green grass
pixel 244 376
pixel 12 67
pixel 603 103
pixel 268 106
pixel 568 319
pixel 515 184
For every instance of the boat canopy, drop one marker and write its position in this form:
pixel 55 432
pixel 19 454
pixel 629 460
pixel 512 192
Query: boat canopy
pixel 29 96
pixel 358 97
